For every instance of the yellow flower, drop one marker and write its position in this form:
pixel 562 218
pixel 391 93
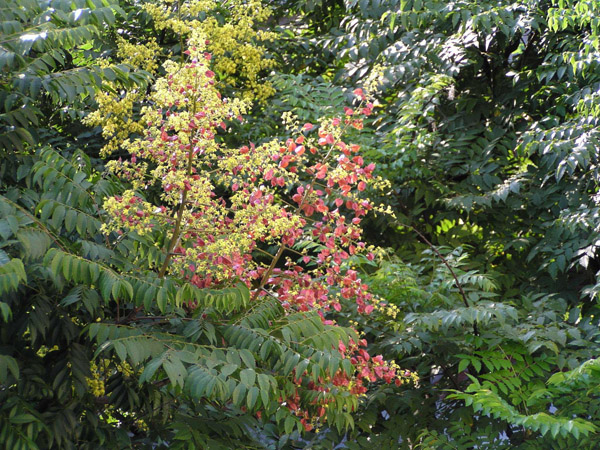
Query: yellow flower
pixel 235 44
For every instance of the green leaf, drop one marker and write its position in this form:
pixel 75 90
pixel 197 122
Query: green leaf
pixel 23 418
pixel 289 424
pixel 248 377
pixel 228 369
pixel 12 274
pixel 252 397
pixel 248 358
pixel 239 394
pixel 175 370
pixel 8 364
pixel 120 350
pixel 264 385
pixel 150 369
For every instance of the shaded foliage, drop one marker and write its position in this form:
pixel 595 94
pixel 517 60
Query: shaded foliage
pixel 486 128
pixel 488 133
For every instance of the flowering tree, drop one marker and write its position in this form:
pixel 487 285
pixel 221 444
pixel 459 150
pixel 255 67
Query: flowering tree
pixel 189 294
pixel 279 220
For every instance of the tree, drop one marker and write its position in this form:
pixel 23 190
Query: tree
pixel 489 142
pixel 137 308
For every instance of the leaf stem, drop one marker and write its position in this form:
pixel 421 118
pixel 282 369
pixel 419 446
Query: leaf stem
pixel 448 266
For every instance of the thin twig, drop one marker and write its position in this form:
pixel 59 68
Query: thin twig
pixel 447 264
pixel 307 192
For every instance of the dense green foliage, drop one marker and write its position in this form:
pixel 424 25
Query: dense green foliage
pixel 486 126
pixel 488 132
pixel 97 348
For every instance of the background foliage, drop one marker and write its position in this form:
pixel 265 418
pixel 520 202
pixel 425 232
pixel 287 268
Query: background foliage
pixel 487 131
pixel 485 126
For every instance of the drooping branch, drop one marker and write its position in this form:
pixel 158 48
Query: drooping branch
pixel 448 266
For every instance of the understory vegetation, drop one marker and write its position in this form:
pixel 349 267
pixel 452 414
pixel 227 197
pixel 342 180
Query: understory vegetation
pixel 303 224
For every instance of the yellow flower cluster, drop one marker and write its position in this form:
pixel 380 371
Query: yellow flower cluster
pixel 128 212
pixel 142 425
pixel 101 371
pixel 115 115
pixel 43 350
pixel 380 305
pixel 374 79
pixel 290 121
pixel 178 151
pixel 256 159
pixel 115 106
pixel 125 170
pixel 234 44
pixel 265 221
pixel 385 210
pixel 125 369
pixel 389 309
pixel 405 375
pixel 96 382
pixel 139 55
